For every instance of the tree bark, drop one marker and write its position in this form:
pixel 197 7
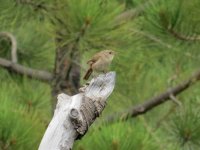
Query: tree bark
pixel 74 114
pixel 66 71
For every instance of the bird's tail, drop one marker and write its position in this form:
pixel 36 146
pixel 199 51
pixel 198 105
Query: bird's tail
pixel 88 73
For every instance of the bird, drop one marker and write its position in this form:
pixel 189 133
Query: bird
pixel 100 62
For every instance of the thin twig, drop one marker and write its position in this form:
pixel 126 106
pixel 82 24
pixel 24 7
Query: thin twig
pixel 175 100
pixel 182 36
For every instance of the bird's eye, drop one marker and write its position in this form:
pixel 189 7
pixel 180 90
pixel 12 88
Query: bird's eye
pixel 110 52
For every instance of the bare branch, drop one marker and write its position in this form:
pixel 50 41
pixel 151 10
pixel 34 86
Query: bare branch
pixel 156 101
pixel 183 37
pixel 13 45
pixel 13 66
pixel 32 73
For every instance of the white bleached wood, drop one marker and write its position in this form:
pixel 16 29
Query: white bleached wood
pixel 74 114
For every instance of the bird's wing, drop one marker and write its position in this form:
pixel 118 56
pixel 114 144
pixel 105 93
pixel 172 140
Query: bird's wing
pixel 94 59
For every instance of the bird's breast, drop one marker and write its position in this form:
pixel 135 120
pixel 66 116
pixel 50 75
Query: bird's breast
pixel 101 65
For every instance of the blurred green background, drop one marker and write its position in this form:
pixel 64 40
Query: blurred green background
pixel 157 49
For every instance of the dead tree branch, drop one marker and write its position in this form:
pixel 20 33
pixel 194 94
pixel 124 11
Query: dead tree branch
pixel 157 100
pixel 32 73
pixel 74 114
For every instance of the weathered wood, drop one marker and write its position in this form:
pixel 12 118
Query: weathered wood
pixel 74 114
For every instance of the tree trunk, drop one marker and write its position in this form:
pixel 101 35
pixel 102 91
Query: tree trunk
pixel 67 71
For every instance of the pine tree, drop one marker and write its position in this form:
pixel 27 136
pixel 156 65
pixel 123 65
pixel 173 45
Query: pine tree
pixel 157 41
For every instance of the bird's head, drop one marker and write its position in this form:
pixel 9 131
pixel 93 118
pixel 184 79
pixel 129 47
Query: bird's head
pixel 109 53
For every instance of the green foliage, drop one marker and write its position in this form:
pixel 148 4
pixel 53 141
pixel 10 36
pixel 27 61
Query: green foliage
pixel 128 135
pixel 93 21
pixel 185 128
pixel 165 16
pixel 21 20
pixel 21 126
pixel 16 13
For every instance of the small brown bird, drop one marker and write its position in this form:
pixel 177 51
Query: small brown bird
pixel 100 62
